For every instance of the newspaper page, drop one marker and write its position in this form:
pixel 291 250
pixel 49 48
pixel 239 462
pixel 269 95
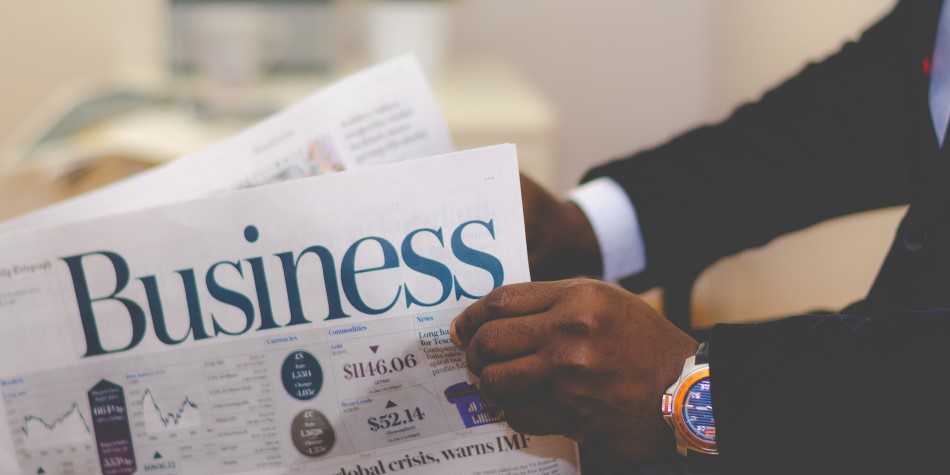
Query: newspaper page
pixel 382 115
pixel 300 327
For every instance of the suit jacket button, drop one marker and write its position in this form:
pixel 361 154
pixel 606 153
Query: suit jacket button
pixel 914 242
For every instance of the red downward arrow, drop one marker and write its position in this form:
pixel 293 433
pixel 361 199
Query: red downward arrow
pixel 374 348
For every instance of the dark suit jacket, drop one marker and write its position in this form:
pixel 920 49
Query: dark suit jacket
pixel 866 391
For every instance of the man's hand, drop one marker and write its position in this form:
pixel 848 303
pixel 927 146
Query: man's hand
pixel 561 242
pixel 580 358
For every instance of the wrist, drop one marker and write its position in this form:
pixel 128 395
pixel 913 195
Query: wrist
pixel 579 241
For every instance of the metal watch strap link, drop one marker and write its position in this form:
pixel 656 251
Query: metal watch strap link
pixel 702 354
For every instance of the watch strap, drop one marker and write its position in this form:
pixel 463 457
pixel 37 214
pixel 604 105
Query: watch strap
pixel 702 354
pixel 699 462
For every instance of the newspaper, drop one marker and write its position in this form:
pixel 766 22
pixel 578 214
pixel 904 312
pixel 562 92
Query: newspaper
pixel 300 327
pixel 382 115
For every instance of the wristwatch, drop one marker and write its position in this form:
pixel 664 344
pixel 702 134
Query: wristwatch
pixel 687 408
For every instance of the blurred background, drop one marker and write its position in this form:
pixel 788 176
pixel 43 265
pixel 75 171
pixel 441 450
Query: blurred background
pixel 95 90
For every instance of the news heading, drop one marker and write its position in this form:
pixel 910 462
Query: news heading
pixel 290 263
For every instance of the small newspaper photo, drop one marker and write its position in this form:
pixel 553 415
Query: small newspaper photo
pixel 190 321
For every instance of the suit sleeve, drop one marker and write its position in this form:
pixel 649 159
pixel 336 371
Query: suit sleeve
pixel 833 394
pixel 828 142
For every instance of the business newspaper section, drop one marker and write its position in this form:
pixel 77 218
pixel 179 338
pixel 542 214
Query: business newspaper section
pixel 231 334
pixel 263 314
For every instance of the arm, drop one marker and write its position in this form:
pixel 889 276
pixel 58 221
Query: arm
pixel 861 393
pixel 840 137
pixel 830 141
pixel 810 394
pixel 850 394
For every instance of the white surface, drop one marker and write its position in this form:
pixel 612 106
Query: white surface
pixel 940 76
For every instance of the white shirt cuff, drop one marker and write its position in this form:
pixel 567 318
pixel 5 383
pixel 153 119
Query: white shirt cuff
pixel 616 225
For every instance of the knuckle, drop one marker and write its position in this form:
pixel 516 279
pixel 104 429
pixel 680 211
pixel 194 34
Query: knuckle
pixel 499 300
pixel 591 290
pixel 486 341
pixel 524 332
pixel 580 324
pixel 585 359
pixel 580 359
pixel 493 385
pixel 473 360
pixel 464 326
pixel 493 379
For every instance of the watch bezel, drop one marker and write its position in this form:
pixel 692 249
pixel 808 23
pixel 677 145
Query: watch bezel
pixel 693 441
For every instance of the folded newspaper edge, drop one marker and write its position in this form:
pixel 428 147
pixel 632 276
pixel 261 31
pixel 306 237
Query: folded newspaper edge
pixel 384 114
pixel 299 326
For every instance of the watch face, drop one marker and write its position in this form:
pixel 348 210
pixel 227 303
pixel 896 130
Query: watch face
pixel 698 412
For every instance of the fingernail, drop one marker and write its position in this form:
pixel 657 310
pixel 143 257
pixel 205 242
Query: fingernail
pixel 453 334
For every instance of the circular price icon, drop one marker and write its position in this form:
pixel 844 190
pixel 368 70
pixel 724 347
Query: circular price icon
pixel 312 433
pixel 302 375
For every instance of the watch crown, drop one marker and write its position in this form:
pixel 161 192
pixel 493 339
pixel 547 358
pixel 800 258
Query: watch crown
pixel 667 404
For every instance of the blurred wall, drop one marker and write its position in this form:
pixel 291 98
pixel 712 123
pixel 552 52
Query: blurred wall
pixel 629 74
pixel 45 44
pixel 757 43
pixel 624 73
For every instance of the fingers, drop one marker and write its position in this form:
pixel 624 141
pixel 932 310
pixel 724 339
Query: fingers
pixel 524 389
pixel 516 382
pixel 542 417
pixel 505 339
pixel 504 302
